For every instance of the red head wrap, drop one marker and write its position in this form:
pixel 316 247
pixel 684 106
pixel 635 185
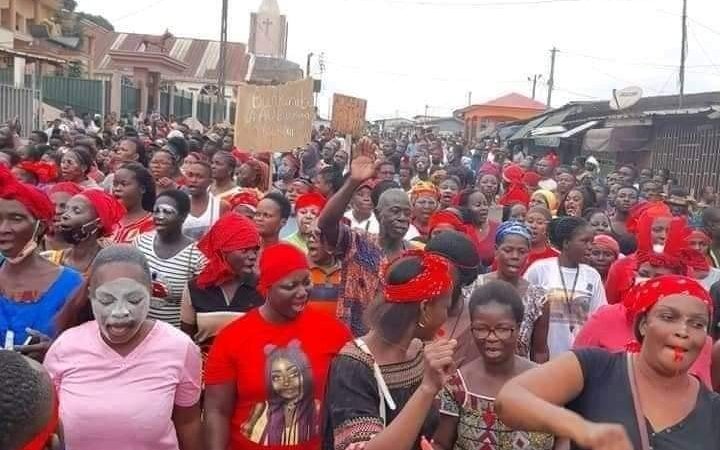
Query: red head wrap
pixel 310 199
pixel 67 187
pixel 108 209
pixel 700 234
pixel 607 242
pixel 434 279
pixel 673 250
pixel 445 218
pixel 490 168
pixel 43 171
pixel 247 197
pixel 423 189
pixel 552 159
pixel 39 442
pixel 230 233
pixel 652 210
pixel 513 174
pixel 516 191
pixel 644 296
pixel 277 262
pixel 36 202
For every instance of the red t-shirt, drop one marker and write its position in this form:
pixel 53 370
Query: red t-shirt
pixel 280 371
pixel 620 278
pixel 547 252
pixel 609 328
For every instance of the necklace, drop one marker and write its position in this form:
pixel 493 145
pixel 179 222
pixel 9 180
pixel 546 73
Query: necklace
pixel 571 295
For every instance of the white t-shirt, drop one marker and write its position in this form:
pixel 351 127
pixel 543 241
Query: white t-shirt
pixel 567 317
pixel 371 225
pixel 712 278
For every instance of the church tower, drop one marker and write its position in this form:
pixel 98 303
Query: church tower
pixel 268 31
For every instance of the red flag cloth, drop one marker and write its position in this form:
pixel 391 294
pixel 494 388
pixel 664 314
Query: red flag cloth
pixel 230 233
pixel 36 202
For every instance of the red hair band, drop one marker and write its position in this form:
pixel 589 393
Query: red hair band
pixel 310 199
pixel 434 279
pixel 39 442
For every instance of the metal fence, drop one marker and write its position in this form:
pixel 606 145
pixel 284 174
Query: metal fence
pixel 130 100
pixel 20 103
pixel 83 95
pixel 182 105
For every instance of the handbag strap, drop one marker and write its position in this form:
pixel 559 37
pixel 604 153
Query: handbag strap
pixel 642 422
pixel 383 391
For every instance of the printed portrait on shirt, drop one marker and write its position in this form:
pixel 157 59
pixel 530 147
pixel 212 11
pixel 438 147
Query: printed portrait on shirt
pixel 575 309
pixel 290 415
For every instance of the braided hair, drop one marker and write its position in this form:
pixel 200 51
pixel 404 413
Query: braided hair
pixel 563 229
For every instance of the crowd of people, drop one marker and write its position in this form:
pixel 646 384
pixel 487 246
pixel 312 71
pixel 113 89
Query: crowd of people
pixel 162 289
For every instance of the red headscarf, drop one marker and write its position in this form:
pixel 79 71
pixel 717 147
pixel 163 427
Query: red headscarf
pixel 246 197
pixel 607 242
pixel 67 187
pixel 434 279
pixel 445 218
pixel 653 210
pixel 43 171
pixel 278 261
pixel 642 297
pixel 516 191
pixel 108 209
pixel 230 233
pixel 310 199
pixel 36 202
pixel 531 179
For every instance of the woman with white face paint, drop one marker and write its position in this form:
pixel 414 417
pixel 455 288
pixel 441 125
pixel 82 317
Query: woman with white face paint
pixel 126 382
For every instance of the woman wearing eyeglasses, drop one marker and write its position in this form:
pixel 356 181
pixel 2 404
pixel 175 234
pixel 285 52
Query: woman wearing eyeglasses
pixel 424 199
pixel 468 418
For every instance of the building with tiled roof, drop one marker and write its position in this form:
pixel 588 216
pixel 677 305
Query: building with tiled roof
pixel 481 120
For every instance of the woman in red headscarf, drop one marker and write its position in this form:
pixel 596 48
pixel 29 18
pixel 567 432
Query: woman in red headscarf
pixel 307 210
pixel 424 198
pixel 89 220
pixel 227 287
pixel 60 194
pixel 268 392
pixel 32 289
pixel 646 398
pixel 245 202
pixel 611 327
pixel 652 220
pixel 605 251
pixel 36 172
pixel 382 386
pixel 445 220
pixel 515 189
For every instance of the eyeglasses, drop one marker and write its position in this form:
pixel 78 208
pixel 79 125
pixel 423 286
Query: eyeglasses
pixel 501 333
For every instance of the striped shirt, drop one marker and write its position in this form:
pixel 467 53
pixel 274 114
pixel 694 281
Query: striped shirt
pixel 173 272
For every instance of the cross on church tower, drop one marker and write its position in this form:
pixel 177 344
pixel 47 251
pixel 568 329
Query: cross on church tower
pixel 266 24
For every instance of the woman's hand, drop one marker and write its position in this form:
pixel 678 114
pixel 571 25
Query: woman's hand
pixel 604 436
pixel 439 365
pixel 39 346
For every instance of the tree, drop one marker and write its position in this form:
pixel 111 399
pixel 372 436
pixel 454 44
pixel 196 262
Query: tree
pixel 70 5
pixel 98 20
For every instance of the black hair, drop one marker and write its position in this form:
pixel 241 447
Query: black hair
pixel 603 186
pixel 631 187
pixel 462 174
pixel 36 152
pixel 333 177
pixel 460 251
pixel 25 400
pixel 564 229
pixel 84 156
pixel 588 196
pixel 180 197
pixel 282 202
pixel 146 182
pixel 394 319
pixel 380 188
pixel 563 168
pixel 179 146
pixel 588 213
pixel 679 191
pixel 139 149
pixel 500 292
pixel 386 163
pixel 229 159
pixel 541 210
pixel 43 136
pixel 454 179
pixel 465 194
pixel 709 215
pixel 631 167
pixel 14 156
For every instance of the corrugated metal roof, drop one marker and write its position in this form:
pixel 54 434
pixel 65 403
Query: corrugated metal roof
pixel 201 56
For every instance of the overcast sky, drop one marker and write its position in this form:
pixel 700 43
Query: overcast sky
pixel 404 54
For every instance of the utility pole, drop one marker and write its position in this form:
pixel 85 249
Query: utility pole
pixel 551 80
pixel 222 62
pixel 683 53
pixel 469 98
pixel 426 111
pixel 307 67
pixel 534 81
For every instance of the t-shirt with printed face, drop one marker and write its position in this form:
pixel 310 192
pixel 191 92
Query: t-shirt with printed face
pixel 280 371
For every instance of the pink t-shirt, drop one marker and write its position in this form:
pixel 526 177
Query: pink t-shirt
pixel 108 401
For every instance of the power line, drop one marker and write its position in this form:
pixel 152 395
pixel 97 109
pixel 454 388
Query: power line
pixel 138 11
pixel 479 5
pixel 707 55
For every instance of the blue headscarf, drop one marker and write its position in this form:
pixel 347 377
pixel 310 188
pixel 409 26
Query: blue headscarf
pixel 512 227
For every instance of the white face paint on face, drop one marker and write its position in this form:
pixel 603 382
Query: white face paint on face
pixel 120 307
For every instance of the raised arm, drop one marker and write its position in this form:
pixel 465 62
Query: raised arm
pixel 362 168
pixel 532 402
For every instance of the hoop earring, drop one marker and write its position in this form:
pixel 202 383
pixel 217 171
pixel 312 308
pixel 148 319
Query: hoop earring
pixel 421 325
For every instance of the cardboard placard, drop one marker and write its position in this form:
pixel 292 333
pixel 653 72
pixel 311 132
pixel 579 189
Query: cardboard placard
pixel 274 118
pixel 348 115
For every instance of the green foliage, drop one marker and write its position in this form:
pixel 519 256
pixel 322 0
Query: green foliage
pixel 70 5
pixel 99 20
